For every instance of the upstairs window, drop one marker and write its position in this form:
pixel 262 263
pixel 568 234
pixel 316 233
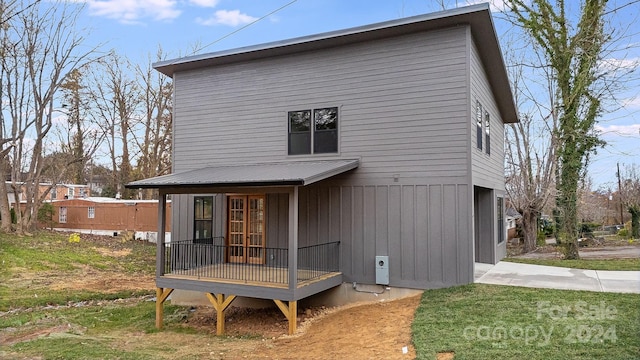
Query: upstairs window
pixel 487 130
pixel 479 132
pixel 313 131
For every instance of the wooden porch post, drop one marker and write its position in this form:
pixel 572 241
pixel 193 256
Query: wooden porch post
pixel 293 238
pixel 290 312
pixel 162 223
pixel 220 303
pixel 161 296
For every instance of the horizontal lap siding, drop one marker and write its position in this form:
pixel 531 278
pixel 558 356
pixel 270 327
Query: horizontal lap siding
pixel 487 170
pixel 402 106
pixel 403 112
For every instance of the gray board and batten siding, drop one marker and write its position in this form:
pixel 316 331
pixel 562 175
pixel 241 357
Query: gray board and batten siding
pixel 405 107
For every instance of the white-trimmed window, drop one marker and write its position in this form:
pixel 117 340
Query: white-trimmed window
pixel 70 193
pixel 91 212
pixel 62 215
pixel 313 131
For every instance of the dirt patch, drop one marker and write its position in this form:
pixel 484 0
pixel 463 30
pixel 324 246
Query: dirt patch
pixel 112 252
pixel 445 356
pixel 7 338
pixel 370 331
pixel 106 283
pixel 356 331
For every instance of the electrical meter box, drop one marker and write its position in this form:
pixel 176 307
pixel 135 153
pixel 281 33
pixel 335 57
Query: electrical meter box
pixel 382 270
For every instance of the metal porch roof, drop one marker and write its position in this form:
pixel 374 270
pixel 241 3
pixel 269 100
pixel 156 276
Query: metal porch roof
pixel 261 174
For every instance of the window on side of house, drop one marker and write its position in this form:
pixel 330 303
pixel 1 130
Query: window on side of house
pixel 91 212
pixel 500 217
pixel 54 193
pixel 487 131
pixel 62 215
pixel 313 131
pixel 203 218
pixel 479 132
pixel 70 193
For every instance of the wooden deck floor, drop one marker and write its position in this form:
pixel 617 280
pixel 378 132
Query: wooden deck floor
pixel 247 274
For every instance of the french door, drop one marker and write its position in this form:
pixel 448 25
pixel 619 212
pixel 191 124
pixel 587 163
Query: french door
pixel 246 238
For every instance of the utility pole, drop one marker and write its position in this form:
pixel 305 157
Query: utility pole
pixel 620 194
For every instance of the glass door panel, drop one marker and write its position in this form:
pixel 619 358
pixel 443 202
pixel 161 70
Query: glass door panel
pixel 246 229
pixel 236 229
pixel 256 230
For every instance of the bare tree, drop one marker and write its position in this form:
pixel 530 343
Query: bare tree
pixel 78 130
pixel 155 143
pixel 116 96
pixel 530 147
pixel 574 47
pixel 40 46
pixel 630 194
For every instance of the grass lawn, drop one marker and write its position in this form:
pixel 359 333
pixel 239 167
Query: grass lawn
pixel 67 300
pixel 500 322
pixel 591 264
pixel 37 270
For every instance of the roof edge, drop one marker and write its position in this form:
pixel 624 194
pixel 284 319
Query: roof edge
pixel 167 66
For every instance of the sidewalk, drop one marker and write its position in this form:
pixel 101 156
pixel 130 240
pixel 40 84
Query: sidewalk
pixel 551 277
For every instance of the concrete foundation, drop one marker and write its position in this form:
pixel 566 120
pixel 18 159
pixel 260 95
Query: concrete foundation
pixel 337 296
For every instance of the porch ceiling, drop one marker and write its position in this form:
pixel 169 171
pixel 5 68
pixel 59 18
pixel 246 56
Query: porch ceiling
pixel 260 174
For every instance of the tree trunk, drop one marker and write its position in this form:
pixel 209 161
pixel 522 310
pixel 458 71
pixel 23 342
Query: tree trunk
pixel 635 221
pixel 5 211
pixel 530 230
pixel 568 190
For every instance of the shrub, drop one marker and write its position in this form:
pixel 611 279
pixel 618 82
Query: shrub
pixel 45 215
pixel 624 233
pixel 589 228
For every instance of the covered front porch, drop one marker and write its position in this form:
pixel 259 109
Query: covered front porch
pixel 238 258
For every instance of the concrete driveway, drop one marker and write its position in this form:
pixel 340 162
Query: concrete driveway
pixel 551 277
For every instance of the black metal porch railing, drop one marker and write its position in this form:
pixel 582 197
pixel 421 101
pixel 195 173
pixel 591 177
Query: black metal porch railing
pixel 317 260
pixel 209 259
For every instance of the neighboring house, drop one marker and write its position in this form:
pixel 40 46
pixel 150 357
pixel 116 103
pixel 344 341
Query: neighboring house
pixel 512 217
pixel 371 155
pixel 64 191
pixel 97 184
pixel 56 192
pixel 11 195
pixel 108 216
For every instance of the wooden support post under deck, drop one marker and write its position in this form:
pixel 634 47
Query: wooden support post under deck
pixel 290 312
pixel 161 296
pixel 220 303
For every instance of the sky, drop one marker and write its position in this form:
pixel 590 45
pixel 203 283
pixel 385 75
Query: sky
pixel 137 28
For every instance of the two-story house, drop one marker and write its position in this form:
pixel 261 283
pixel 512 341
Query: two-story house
pixel 371 155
